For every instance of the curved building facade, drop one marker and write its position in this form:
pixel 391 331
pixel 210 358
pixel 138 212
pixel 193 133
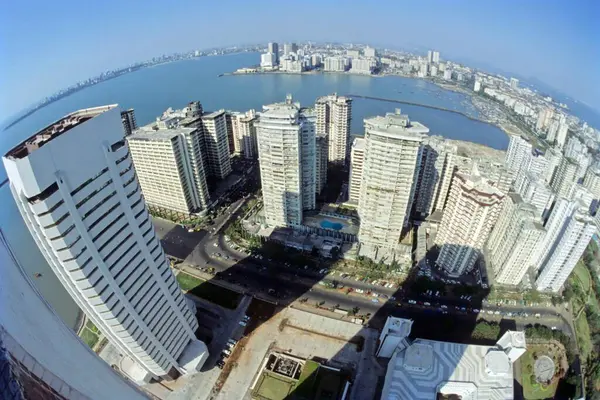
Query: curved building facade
pixel 77 190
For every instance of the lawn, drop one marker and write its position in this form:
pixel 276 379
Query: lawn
pixel 208 291
pixel 89 337
pixel 582 274
pixel 307 380
pixel 531 390
pixel 273 387
pixel 582 330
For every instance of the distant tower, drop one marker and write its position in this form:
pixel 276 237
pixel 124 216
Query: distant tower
pixel 436 57
pixel 514 83
pixel 430 56
pixel 274 48
pixel 77 190
pixel 334 118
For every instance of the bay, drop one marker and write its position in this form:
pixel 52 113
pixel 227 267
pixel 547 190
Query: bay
pixel 150 91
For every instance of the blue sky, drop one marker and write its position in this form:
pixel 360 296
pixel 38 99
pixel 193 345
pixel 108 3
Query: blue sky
pixel 47 45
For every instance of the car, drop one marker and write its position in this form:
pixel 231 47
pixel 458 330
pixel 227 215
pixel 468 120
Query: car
pixel 412 302
pixel 426 303
pixel 497 312
pixel 220 364
pixel 475 310
pixel 226 352
pixel 444 306
pixel 242 323
pixel 216 244
pixel 375 300
pixel 232 341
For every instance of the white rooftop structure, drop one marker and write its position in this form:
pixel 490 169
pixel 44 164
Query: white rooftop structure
pixel 427 368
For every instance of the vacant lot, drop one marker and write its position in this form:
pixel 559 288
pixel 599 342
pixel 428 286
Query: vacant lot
pixel 208 291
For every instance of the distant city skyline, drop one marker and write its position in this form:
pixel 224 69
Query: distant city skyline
pixel 537 40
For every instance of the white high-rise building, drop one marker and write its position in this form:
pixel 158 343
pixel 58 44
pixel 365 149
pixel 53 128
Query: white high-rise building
pixel 430 56
pixel 285 136
pixel 554 158
pixel 268 60
pixel 562 209
pixel 471 211
pixel 289 48
pixel 217 143
pixel 321 161
pixel 247 134
pixel 565 177
pixel 514 83
pixel 512 242
pixel 518 153
pixel 561 134
pixel 537 164
pixel 391 163
pixel 435 175
pixel 544 117
pixel 477 86
pixel 592 181
pixel 335 64
pixel 273 48
pixel 534 190
pixel 435 57
pixel 170 168
pixel 369 52
pixel 334 118
pixel 363 66
pixel 76 188
pixel 574 237
pixel 357 159
pixel 448 75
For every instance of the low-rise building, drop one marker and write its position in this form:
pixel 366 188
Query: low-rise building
pixel 423 369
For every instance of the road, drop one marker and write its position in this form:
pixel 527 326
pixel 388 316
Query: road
pixel 256 277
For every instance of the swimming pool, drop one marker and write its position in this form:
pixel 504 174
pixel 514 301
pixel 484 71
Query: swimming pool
pixel 326 224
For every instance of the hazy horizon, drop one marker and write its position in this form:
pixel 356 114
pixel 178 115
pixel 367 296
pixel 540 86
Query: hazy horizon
pixel 66 42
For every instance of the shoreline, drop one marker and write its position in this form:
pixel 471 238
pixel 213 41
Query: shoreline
pixel 507 130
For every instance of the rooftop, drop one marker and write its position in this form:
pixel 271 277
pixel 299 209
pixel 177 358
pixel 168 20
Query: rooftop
pixel 359 143
pixel 427 367
pixel 396 125
pixel 54 130
pixel 158 134
pixel 213 114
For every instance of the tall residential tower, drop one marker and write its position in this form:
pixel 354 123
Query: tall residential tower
pixel 471 211
pixel 286 152
pixel 334 116
pixel 391 163
pixel 77 190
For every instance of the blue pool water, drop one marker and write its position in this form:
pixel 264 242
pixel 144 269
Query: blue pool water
pixel 336 226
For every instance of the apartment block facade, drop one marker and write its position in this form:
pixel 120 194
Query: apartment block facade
pixel 471 211
pixel 513 240
pixel 76 188
pixel 392 158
